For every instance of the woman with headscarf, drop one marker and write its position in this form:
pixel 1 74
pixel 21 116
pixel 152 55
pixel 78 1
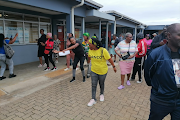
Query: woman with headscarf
pixel 77 48
pixel 98 56
pixel 128 50
pixel 48 52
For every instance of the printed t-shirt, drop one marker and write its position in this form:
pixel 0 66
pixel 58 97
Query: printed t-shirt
pixel 98 60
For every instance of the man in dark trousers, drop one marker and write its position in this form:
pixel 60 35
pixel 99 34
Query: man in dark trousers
pixel 162 69
pixel 160 39
pixel 41 48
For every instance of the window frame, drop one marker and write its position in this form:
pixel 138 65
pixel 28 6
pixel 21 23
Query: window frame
pixel 23 22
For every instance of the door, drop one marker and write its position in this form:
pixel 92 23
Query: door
pixel 61 36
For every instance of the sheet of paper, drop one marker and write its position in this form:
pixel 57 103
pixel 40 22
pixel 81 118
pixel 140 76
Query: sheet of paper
pixel 64 54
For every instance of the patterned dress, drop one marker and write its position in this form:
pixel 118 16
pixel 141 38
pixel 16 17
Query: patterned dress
pixel 56 47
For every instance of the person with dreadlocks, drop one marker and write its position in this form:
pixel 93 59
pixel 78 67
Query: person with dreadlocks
pixel 77 48
pixel 98 56
pixel 85 45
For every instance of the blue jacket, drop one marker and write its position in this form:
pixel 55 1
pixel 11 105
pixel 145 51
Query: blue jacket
pixel 159 73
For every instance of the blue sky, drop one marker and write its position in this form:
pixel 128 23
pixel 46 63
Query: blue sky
pixel 150 12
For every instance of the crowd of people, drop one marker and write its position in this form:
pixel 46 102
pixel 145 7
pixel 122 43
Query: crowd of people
pixel 161 68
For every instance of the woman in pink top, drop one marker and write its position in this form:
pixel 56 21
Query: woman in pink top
pixel 148 41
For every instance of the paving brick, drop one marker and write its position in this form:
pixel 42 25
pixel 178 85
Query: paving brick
pixel 68 101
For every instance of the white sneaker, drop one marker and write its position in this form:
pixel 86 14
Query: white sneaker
pixel 91 103
pixel 139 81
pixel 46 69
pixel 39 66
pixel 66 69
pixel 56 61
pixel 45 65
pixel 53 69
pixel 101 98
pixel 77 69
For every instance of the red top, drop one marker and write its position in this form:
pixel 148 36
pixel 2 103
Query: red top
pixel 49 44
pixel 142 48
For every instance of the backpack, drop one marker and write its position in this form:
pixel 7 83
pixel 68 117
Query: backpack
pixel 8 50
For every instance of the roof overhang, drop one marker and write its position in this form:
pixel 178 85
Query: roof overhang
pixel 92 3
pixel 122 16
pixel 95 16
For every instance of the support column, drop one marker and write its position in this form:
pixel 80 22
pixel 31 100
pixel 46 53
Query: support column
pixel 112 29
pixel 68 24
pixel 82 27
pixel 99 30
pixel 107 27
pixel 134 33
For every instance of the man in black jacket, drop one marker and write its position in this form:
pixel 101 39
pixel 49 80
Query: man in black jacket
pixel 158 40
pixel 116 40
pixel 162 72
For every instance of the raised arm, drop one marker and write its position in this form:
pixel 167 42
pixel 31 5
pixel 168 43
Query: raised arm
pixel 14 39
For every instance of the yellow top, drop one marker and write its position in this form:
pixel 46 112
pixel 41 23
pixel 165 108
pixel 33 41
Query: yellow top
pixel 98 60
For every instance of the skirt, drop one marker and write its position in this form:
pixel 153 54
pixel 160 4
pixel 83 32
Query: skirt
pixel 126 67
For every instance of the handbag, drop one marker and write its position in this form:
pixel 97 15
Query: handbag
pixel 126 55
pixel 46 51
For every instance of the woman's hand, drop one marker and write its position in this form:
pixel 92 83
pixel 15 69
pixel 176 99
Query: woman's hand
pixel 42 44
pixel 131 56
pixel 55 51
pixel 115 69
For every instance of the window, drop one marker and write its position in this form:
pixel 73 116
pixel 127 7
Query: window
pixel 11 28
pixel 31 32
pixel 30 18
pixel 46 27
pixel 8 15
pixel 1 26
pixel 78 34
pixel 47 20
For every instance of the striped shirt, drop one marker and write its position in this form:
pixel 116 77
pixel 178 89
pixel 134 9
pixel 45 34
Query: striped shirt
pixel 124 47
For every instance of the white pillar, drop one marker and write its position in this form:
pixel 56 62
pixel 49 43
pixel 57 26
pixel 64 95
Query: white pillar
pixel 83 27
pixel 99 30
pixel 107 27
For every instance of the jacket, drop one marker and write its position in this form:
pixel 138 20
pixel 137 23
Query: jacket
pixel 142 48
pixel 41 39
pixel 116 42
pixel 159 73
pixel 157 40
pixel 49 44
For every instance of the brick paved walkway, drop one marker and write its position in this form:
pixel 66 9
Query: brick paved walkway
pixel 68 101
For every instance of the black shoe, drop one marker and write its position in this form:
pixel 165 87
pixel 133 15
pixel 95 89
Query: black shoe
pixel 114 61
pixel 12 75
pixel 73 79
pixel 1 78
pixel 84 79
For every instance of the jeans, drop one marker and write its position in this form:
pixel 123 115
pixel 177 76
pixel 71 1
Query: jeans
pixel 3 62
pixel 49 56
pixel 94 80
pixel 158 112
pixel 89 65
pixel 138 67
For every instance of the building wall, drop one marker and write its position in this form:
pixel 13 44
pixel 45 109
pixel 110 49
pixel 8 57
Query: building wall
pixel 92 32
pixel 25 54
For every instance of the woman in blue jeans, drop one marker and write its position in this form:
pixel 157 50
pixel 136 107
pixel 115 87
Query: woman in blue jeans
pixel 3 59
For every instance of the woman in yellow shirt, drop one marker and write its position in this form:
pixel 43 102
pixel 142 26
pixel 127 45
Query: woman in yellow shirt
pixel 98 56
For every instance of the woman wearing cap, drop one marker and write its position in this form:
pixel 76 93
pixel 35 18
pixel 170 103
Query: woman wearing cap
pixel 98 56
pixel 148 42
pixel 48 52
pixel 128 50
pixel 77 48
pixel 85 45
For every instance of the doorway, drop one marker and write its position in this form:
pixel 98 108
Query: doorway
pixel 61 36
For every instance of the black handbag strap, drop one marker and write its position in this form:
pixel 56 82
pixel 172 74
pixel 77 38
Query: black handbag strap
pixel 129 47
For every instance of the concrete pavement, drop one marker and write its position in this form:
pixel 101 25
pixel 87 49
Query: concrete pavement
pixel 68 101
